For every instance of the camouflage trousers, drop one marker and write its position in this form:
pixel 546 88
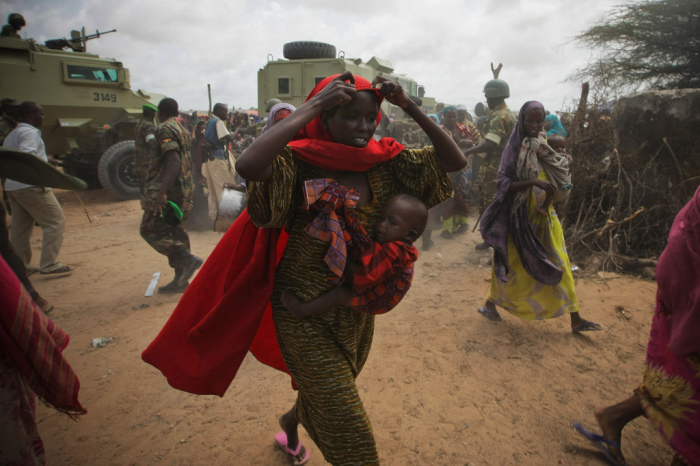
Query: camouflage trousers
pixel 488 172
pixel 169 240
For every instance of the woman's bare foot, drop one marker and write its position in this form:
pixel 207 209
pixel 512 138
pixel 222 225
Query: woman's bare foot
pixel 293 305
pixel 290 426
pixel 614 418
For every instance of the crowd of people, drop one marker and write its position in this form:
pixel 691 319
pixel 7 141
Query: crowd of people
pixel 326 242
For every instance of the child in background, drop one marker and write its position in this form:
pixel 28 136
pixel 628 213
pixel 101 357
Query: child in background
pixel 384 271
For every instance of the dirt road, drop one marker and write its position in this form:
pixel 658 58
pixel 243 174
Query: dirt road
pixel 442 386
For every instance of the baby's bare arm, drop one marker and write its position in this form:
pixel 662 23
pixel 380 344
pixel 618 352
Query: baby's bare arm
pixel 338 296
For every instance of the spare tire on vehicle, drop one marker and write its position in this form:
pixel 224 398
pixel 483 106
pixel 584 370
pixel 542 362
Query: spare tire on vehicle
pixel 117 173
pixel 305 49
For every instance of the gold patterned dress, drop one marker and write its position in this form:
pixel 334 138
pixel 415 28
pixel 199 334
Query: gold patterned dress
pixel 326 353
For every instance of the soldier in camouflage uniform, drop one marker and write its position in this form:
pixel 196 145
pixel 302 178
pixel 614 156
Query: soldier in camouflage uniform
pixel 497 132
pixel 15 22
pixel 170 179
pixel 145 143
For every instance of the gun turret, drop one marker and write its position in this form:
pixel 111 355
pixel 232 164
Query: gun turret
pixel 77 41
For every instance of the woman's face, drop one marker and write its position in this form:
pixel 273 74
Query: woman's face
pixel 533 122
pixel 354 124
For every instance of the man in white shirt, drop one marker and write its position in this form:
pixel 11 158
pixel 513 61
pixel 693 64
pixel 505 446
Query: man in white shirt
pixel 31 204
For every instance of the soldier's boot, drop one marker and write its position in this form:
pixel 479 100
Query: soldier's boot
pixel 174 286
pixel 192 264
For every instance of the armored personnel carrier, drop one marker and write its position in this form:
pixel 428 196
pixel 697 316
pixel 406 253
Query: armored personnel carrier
pixel 305 64
pixel 90 110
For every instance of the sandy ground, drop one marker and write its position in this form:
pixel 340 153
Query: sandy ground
pixel 443 385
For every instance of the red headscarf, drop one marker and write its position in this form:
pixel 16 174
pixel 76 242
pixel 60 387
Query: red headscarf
pixel 315 145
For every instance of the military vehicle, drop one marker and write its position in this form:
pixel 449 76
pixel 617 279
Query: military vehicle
pixel 90 110
pixel 307 63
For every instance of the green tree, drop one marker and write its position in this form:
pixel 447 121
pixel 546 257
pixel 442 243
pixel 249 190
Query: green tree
pixel 650 44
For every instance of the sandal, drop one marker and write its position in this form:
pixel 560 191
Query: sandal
pixel 281 442
pixel 490 315
pixel 587 326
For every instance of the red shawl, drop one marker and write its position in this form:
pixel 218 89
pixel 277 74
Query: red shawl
pixel 678 280
pixel 35 344
pixel 226 310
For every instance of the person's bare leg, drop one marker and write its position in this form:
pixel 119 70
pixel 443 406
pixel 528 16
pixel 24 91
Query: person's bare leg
pixel 290 426
pixel 614 418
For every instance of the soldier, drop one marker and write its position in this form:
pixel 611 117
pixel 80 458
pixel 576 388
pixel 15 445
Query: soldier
pixel 170 180
pixel 15 22
pixel 9 118
pixel 497 129
pixel 145 139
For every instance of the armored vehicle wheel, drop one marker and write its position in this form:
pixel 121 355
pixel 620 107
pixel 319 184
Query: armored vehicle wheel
pixel 305 49
pixel 116 171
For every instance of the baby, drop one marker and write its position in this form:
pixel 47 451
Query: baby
pixel 557 142
pixel 384 271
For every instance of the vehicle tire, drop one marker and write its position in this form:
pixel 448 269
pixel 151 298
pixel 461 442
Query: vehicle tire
pixel 305 49
pixel 116 171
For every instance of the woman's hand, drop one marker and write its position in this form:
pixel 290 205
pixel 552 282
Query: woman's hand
pixel 337 92
pixel 392 92
pixel 547 186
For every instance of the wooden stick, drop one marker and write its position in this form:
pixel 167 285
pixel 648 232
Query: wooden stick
pixel 84 208
pixel 209 92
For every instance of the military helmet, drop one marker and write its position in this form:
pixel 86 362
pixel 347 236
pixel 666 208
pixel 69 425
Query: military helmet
pixel 271 103
pixel 16 17
pixel 496 88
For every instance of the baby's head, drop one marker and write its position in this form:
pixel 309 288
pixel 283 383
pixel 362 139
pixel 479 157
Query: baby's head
pixel 404 218
pixel 557 142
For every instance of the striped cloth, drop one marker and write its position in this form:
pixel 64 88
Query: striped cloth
pixel 333 202
pixel 35 344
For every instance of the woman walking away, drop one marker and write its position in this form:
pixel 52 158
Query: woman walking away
pixel 670 391
pixel 531 276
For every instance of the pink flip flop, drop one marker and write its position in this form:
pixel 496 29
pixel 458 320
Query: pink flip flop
pixel 281 442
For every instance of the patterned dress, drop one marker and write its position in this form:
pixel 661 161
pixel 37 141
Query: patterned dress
pixel 522 295
pixel 670 391
pixel 326 353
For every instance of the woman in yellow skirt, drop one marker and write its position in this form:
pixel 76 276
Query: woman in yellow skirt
pixel 531 275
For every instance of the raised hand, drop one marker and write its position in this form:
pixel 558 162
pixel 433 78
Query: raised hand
pixel 337 92
pixel 392 92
